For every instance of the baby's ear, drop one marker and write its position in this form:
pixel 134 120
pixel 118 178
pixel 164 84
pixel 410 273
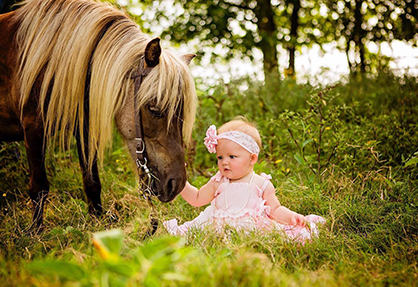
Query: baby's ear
pixel 254 158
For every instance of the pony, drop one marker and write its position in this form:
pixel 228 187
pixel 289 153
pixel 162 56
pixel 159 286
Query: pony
pixel 69 70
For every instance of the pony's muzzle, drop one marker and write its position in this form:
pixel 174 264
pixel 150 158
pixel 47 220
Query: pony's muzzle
pixel 172 187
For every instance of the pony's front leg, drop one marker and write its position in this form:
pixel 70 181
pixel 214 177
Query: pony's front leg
pixel 91 183
pixel 39 185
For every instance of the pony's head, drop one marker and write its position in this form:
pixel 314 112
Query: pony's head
pixel 165 102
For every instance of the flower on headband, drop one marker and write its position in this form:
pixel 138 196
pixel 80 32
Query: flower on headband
pixel 211 140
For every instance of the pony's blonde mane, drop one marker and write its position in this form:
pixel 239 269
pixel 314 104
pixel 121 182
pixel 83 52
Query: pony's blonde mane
pixel 58 39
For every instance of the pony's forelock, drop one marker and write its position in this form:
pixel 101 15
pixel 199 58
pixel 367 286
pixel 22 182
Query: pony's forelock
pixel 171 86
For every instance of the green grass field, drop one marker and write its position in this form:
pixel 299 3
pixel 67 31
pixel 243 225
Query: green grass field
pixel 348 153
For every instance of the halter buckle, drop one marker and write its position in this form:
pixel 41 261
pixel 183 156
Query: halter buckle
pixel 140 146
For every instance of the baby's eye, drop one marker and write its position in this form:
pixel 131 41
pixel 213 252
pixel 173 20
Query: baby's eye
pixel 232 156
pixel 219 158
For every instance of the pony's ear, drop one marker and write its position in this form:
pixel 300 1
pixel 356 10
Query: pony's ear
pixel 188 58
pixel 153 52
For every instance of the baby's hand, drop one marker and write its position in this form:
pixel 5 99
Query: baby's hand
pixel 298 219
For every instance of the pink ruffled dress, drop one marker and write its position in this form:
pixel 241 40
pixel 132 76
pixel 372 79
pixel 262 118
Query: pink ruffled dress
pixel 240 205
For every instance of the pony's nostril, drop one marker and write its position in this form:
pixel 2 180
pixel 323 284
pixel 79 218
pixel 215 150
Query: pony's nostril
pixel 170 190
pixel 171 184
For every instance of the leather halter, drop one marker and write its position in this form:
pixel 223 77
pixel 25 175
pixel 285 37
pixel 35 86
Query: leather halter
pixel 138 77
pixel 141 159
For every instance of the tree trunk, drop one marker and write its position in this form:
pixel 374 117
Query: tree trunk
pixel 268 31
pixel 351 64
pixel 293 36
pixel 358 64
pixel 359 34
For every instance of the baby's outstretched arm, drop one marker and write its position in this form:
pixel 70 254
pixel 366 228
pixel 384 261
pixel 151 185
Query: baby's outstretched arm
pixel 280 213
pixel 283 214
pixel 199 197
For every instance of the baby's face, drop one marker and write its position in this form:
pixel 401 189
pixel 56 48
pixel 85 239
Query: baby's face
pixel 234 162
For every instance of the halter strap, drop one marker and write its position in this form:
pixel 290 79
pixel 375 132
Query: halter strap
pixel 141 159
pixel 138 77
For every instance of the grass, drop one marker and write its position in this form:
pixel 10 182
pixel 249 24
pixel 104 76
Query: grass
pixel 366 188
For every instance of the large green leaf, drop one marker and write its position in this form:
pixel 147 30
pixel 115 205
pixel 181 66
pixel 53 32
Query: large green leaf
pixel 62 269
pixel 108 243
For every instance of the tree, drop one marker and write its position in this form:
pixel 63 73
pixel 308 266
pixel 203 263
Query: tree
pixel 294 25
pixel 240 26
pixel 237 27
pixel 358 22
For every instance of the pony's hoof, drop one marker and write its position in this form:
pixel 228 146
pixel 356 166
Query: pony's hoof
pixel 96 212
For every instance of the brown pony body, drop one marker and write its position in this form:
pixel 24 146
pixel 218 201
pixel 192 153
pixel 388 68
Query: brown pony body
pixel 65 72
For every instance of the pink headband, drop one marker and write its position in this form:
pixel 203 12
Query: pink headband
pixel 243 139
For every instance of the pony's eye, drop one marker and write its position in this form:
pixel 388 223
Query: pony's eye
pixel 155 112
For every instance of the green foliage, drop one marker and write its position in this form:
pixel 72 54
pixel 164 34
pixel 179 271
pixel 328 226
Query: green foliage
pixel 347 152
pixel 354 23
pixel 236 28
pixel 153 264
